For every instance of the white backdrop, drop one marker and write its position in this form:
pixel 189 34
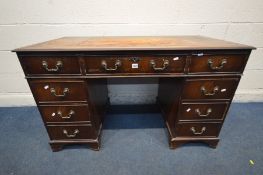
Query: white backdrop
pixel 24 22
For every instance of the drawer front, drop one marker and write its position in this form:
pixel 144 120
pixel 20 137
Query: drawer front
pixel 136 64
pixel 70 132
pixel 210 88
pixel 54 90
pixel 198 129
pixel 202 111
pixel 65 113
pixel 53 65
pixel 218 63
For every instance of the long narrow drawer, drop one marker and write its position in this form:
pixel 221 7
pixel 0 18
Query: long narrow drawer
pixel 69 132
pixel 213 88
pixel 135 64
pixel 58 90
pixel 65 113
pixel 202 111
pixel 50 65
pixel 218 63
pixel 198 129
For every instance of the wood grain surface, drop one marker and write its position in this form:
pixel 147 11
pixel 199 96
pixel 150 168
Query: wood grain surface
pixel 133 43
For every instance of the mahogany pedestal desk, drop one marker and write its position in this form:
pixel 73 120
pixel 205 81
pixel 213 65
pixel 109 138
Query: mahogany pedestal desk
pixel 198 77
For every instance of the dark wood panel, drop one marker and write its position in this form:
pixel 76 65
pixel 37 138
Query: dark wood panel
pixel 169 94
pixel 214 88
pixel 99 101
pixel 202 111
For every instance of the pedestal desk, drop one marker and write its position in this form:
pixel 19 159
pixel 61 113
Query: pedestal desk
pixel 198 77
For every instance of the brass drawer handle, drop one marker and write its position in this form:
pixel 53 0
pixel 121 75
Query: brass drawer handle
pixel 210 63
pixel 53 92
pixel 165 65
pixel 70 114
pixel 204 91
pixel 74 134
pixel 117 65
pixel 198 133
pixel 208 111
pixel 59 65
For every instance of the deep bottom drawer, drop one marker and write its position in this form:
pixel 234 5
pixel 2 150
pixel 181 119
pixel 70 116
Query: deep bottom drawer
pixel 69 132
pixel 198 129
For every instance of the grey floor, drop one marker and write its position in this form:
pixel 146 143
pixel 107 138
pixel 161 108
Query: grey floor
pixel 132 144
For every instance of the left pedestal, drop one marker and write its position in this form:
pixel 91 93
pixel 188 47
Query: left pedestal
pixel 71 105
